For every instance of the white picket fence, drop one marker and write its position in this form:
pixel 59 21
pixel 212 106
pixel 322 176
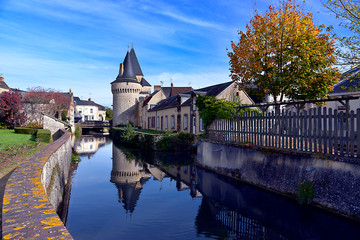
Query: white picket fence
pixel 318 130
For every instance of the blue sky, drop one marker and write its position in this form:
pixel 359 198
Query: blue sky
pixel 63 44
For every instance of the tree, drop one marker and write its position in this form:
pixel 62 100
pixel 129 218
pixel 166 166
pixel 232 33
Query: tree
pixel 210 108
pixel 40 100
pixel 349 46
pixel 283 54
pixel 109 113
pixel 11 111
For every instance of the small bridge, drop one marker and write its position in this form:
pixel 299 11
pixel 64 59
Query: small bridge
pixel 95 124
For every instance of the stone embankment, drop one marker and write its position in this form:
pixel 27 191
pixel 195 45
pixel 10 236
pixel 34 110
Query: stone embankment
pixel 34 191
pixel 335 182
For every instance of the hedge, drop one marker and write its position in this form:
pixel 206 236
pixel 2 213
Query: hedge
pixel 25 130
pixel 44 135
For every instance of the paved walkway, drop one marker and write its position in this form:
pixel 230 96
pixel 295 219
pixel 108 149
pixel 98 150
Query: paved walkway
pixel 3 182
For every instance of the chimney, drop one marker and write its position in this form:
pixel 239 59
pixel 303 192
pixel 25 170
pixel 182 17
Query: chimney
pixel 157 87
pixel 1 77
pixel 172 84
pixel 89 99
pixel 121 69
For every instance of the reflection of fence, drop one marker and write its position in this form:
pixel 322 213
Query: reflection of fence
pixel 241 227
pixel 317 130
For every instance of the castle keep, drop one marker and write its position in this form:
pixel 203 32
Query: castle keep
pixel 128 87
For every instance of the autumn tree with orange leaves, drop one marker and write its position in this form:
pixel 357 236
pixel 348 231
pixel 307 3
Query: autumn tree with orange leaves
pixel 283 54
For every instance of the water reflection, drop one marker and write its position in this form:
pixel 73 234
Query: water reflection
pixel 89 145
pixel 129 176
pixel 191 203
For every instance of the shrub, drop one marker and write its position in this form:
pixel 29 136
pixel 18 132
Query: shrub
pixel 44 135
pixel 306 192
pixel 75 157
pixel 25 130
pixel 176 142
pixel 128 135
pixel 34 125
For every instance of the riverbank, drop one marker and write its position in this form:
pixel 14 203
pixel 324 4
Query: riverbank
pixel 333 182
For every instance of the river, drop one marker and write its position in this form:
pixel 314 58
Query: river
pixel 119 193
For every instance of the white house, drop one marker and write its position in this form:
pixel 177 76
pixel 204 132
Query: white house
pixel 87 110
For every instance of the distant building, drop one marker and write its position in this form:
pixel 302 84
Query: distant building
pixel 87 110
pixel 3 86
pixel 349 85
pixel 128 88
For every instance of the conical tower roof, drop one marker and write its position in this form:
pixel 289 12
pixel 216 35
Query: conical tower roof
pixel 135 63
pixel 128 74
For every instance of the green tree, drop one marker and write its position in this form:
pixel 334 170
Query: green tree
pixel 283 54
pixel 349 46
pixel 109 113
pixel 210 108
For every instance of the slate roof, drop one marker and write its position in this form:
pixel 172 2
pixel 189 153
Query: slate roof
pixel 131 70
pixel 214 90
pixel 145 83
pixel 80 102
pixel 350 81
pixel 166 103
pixel 128 74
pixel 173 101
pixel 135 63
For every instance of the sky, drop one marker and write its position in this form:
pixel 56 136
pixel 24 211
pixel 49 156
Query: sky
pixel 78 45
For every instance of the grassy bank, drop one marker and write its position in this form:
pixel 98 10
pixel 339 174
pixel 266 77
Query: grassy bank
pixel 15 149
pixel 9 137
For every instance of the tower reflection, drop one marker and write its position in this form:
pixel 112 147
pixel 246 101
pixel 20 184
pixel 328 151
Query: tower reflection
pixel 129 175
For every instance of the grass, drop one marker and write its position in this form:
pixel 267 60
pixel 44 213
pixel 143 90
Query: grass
pixel 9 137
pixel 149 131
pixel 15 149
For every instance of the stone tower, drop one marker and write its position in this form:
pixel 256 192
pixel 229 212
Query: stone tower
pixel 128 87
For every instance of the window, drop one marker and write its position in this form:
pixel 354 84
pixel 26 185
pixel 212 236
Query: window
pixel 185 122
pixel 149 120
pixel 166 122
pixel 153 122
pixel 238 94
pixel 194 103
pixel 201 125
pixel 91 110
pixel 157 122
pixel 80 110
pixel 172 122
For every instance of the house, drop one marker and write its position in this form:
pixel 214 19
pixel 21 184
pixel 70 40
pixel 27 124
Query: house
pixel 3 86
pixel 179 112
pixel 349 85
pixel 159 94
pixel 88 110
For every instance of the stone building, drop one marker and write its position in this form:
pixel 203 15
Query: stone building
pixel 127 89
pixel 180 113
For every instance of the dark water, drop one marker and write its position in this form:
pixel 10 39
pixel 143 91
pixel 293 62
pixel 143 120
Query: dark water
pixel 119 193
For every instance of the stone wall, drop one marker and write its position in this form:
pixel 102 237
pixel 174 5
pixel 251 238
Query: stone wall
pixel 33 192
pixel 335 182
pixel 53 124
